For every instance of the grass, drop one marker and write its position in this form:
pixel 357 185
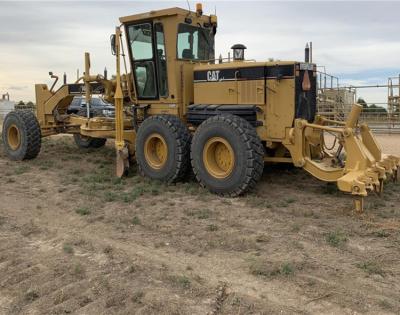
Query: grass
pixel 68 248
pixel 136 221
pixel 377 204
pixel 258 202
pixel 181 281
pixel 203 214
pixel 103 185
pixel 385 304
pixel 198 213
pixel 110 196
pixel 296 227
pixel 31 295
pixel 82 211
pixel 137 297
pixel 46 164
pixel 98 180
pixel 382 233
pixel 191 188
pixel 21 169
pixel 286 269
pixel 108 250
pixel 290 200
pixel 264 269
pixel 212 228
pixel 78 270
pixel 132 269
pixel 371 268
pixel 336 238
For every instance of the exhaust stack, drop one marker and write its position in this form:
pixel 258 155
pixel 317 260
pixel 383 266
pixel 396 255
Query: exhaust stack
pixel 307 54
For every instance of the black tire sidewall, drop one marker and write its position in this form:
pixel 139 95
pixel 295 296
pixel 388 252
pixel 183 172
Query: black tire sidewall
pixel 81 142
pixel 239 147
pixel 98 142
pixel 13 119
pixel 169 168
pixel 90 142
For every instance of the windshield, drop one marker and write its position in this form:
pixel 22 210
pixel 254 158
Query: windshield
pixel 195 43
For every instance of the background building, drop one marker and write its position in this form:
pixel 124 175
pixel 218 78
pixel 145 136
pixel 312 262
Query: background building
pixel 5 105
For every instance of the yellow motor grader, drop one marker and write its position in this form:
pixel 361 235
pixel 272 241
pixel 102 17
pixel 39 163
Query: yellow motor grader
pixel 178 108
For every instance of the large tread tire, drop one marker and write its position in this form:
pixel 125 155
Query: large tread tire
pixel 248 152
pixel 26 125
pixel 177 139
pixel 88 142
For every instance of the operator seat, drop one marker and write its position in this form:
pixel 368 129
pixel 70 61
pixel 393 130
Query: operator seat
pixel 149 86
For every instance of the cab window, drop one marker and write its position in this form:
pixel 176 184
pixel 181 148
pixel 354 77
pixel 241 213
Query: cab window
pixel 195 43
pixel 141 41
pixel 141 48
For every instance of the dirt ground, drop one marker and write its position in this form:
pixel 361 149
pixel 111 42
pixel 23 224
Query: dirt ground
pixel 74 239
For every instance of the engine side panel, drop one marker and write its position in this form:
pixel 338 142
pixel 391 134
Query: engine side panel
pixel 270 87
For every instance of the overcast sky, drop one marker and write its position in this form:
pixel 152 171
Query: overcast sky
pixel 357 41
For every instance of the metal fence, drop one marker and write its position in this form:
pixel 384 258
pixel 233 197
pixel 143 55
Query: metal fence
pixel 335 102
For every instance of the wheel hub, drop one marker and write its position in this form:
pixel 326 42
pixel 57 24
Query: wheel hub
pixel 14 137
pixel 218 157
pixel 156 151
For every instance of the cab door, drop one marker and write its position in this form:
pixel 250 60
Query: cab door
pixel 148 56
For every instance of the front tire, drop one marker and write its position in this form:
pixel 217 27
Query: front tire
pixel 227 155
pixel 21 135
pixel 85 142
pixel 162 148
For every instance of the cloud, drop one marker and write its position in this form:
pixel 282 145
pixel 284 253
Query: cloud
pixel 16 88
pixel 353 40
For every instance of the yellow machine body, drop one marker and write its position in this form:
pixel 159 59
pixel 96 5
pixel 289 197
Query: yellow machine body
pixel 173 71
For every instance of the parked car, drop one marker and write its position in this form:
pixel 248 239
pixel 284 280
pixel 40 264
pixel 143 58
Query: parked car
pixel 98 107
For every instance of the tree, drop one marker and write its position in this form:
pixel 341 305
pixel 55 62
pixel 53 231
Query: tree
pixel 376 109
pixel 21 103
pixel 362 102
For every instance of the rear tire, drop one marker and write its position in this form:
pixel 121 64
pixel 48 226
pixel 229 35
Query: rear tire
pixel 163 148
pixel 21 135
pixel 227 155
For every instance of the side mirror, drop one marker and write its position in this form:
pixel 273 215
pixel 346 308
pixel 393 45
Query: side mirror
pixel 112 40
